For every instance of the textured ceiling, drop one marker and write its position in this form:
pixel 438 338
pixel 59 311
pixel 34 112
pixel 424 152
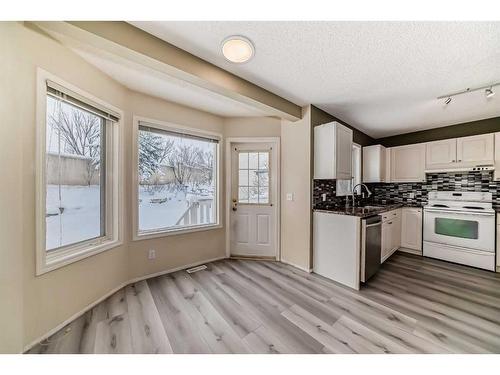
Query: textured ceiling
pixel 150 82
pixel 381 77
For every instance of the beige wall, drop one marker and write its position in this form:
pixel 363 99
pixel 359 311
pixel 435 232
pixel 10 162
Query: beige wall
pixel 252 127
pixel 32 306
pixel 11 220
pixel 296 179
pixel 177 250
pixel 53 297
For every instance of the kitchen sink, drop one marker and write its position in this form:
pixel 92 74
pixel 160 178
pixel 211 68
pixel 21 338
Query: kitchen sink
pixel 372 207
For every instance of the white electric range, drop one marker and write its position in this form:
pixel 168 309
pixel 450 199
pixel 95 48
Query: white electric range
pixel 460 227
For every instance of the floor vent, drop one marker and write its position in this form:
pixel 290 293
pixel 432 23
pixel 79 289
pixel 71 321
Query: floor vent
pixel 196 269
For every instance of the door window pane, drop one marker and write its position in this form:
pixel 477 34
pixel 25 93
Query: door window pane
pixel 456 228
pixel 75 184
pixel 177 180
pixel 253 181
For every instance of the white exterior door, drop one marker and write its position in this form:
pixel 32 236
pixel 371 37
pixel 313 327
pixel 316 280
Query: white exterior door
pixel 254 195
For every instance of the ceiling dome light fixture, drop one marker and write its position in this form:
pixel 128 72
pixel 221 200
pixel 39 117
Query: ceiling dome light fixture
pixel 489 92
pixel 237 49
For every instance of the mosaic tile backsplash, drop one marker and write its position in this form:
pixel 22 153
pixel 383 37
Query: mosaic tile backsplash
pixel 389 193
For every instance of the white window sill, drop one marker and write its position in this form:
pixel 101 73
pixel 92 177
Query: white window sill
pixel 174 232
pixel 63 258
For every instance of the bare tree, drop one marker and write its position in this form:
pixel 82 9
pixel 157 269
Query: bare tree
pixel 205 161
pixel 182 160
pixel 80 132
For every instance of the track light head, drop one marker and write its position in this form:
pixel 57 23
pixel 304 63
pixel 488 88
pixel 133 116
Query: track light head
pixel 448 100
pixel 489 93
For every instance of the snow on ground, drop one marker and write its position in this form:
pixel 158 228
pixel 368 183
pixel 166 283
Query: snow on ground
pixel 166 214
pixel 80 219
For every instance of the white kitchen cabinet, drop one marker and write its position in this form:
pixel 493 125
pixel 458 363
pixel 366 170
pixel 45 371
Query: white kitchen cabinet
pixel 388 165
pixel 336 247
pixel 386 246
pixel 440 154
pixel 411 230
pixel 474 150
pixel 498 242
pixel 391 233
pixel 374 164
pixel 332 151
pixel 496 174
pixel 408 163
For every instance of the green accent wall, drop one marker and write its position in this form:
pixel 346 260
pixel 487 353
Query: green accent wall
pixel 318 117
pixel 490 125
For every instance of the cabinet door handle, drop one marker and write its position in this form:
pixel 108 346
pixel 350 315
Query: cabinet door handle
pixel 459 160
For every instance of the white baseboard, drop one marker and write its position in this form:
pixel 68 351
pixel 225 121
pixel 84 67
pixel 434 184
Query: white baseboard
pixel 309 270
pixel 110 293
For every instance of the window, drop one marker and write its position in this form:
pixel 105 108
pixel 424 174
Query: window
pixel 253 177
pixel 177 180
pixel 344 187
pixel 77 209
pixel 74 174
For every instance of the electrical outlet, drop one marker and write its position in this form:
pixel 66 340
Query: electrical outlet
pixel 323 197
pixel 411 195
pixel 152 254
pixel 289 196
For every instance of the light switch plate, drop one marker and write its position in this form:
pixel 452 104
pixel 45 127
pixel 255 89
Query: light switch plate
pixel 411 195
pixel 289 196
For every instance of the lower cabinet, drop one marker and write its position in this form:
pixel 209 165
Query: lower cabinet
pixel 498 242
pixel 391 233
pixel 411 230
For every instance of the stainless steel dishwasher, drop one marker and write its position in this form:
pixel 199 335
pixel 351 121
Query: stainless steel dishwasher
pixel 371 238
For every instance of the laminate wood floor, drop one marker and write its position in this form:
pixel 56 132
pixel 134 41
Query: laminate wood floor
pixel 413 305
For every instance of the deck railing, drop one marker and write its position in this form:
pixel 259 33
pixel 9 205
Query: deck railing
pixel 198 212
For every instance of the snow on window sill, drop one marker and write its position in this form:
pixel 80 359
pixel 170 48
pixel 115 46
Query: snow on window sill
pixel 144 235
pixel 74 254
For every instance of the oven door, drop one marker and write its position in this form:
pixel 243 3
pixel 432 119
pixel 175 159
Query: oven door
pixel 464 229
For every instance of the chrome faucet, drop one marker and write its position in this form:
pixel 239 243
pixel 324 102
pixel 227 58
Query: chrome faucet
pixel 354 189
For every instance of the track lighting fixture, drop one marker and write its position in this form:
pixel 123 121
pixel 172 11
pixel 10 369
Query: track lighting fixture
pixel 488 92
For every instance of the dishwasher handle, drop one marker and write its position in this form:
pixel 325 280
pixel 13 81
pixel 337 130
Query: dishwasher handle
pixel 374 225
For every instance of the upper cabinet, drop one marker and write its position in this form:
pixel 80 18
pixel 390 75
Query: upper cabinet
pixel 374 164
pixel 496 175
pixel 332 151
pixel 460 152
pixel 478 149
pixel 408 163
pixel 440 154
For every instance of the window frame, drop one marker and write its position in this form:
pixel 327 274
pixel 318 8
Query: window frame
pixel 174 128
pixel 351 180
pixel 53 259
pixel 269 193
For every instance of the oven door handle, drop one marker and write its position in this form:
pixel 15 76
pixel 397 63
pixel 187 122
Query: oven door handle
pixel 460 212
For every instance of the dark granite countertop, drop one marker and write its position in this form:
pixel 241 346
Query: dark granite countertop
pixel 362 212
